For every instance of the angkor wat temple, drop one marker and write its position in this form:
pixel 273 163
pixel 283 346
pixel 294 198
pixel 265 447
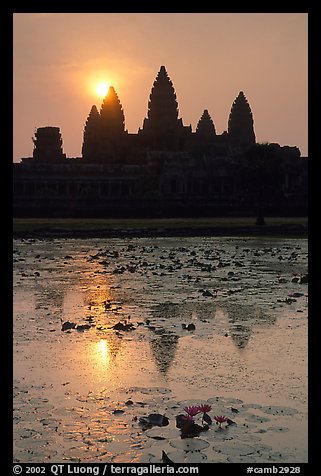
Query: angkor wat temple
pixel 165 169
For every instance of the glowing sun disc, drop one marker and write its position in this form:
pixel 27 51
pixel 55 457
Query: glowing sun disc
pixel 102 89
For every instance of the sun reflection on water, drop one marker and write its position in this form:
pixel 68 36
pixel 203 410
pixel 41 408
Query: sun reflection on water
pixel 103 350
pixel 102 353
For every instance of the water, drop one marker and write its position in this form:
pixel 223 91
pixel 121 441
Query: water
pixel 249 346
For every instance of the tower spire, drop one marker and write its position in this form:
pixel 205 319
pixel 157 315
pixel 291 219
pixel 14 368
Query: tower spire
pixel 112 115
pixel 205 126
pixel 92 131
pixel 162 114
pixel 240 122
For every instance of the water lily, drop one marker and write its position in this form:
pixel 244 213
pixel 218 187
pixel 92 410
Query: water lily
pixel 187 418
pixel 192 410
pixel 220 419
pixel 205 407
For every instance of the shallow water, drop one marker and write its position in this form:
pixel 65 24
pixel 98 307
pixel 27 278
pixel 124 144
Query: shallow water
pixel 248 350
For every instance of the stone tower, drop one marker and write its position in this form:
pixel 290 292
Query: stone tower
pixel 162 125
pixel 240 122
pixel 112 115
pixel 104 132
pixel 205 126
pixel 92 135
pixel 48 145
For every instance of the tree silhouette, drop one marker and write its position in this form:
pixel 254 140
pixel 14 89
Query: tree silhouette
pixel 262 178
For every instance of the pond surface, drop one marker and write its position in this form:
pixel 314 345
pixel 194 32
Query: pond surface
pixel 107 331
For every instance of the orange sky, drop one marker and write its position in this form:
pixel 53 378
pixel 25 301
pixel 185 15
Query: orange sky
pixel 59 58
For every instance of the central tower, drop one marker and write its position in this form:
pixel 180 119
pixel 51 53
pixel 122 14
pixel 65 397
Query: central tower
pixel 240 122
pixel 162 126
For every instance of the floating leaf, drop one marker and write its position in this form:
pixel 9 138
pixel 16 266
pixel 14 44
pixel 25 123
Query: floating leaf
pixel 207 418
pixel 278 410
pixel 190 444
pixel 257 418
pixel 123 327
pixel 83 327
pixel 234 448
pixel 154 419
pixel 192 429
pixel 180 420
pixel 118 412
pixel 230 422
pixel 165 458
pixel 68 325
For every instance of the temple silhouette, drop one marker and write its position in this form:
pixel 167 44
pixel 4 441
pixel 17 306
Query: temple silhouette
pixel 165 169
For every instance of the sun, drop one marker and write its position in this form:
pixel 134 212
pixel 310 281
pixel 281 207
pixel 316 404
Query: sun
pixel 102 89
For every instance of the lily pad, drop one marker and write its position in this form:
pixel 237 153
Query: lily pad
pixel 189 457
pixel 190 444
pixel 32 443
pixel 154 419
pixel 242 459
pixel 225 401
pixel 234 448
pixel 26 433
pixel 279 410
pixel 34 456
pixel 278 429
pixel 161 433
pixel 251 405
pixel 257 419
pixel 118 412
pixel 207 419
pixel 192 429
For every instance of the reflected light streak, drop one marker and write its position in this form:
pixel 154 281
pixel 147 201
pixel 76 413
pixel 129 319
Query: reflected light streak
pixel 103 352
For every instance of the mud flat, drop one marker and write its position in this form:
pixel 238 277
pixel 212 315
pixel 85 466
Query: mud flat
pixel 110 330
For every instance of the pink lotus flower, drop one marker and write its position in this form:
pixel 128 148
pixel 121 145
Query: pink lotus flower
pixel 205 408
pixel 188 418
pixel 192 410
pixel 220 419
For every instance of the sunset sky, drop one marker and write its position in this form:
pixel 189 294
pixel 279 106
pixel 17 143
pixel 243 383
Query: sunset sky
pixel 60 58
